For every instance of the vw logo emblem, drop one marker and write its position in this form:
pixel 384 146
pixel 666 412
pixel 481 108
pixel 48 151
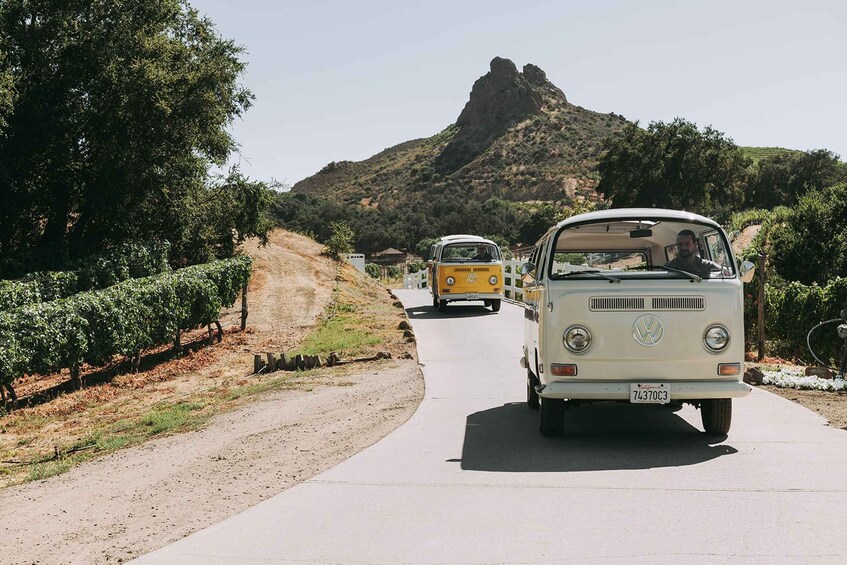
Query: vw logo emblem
pixel 648 330
pixel 471 278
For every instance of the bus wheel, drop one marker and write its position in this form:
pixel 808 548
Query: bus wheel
pixel 495 305
pixel 717 415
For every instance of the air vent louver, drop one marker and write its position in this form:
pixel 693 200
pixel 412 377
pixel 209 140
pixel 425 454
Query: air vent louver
pixel 647 304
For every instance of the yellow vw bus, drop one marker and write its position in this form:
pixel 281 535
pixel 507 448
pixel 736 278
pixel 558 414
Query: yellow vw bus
pixel 465 267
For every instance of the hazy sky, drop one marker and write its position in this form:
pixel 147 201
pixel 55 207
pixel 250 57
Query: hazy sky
pixel 343 80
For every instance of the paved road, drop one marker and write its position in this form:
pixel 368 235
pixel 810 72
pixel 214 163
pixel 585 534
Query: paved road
pixel 468 479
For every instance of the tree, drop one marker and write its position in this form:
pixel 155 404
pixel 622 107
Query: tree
pixel 341 240
pixel 221 215
pixel 782 179
pixel 119 108
pixel 672 165
pixel 810 246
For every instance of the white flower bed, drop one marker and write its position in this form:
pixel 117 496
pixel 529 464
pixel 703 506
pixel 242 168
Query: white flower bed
pixel 791 378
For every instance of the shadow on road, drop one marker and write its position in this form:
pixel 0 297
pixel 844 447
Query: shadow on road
pixel 602 436
pixel 463 311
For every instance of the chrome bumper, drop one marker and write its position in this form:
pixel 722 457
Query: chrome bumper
pixel 620 390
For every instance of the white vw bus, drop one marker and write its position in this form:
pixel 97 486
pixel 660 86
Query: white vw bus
pixel 613 314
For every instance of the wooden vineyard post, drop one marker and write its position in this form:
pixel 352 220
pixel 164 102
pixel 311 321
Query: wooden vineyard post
pixel 761 304
pixel 244 308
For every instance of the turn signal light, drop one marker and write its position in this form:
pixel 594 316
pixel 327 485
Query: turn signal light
pixel 561 370
pixel 729 369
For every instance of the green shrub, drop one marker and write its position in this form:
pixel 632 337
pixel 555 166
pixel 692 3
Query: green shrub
pixel 341 240
pixel 416 266
pixel 373 270
pixel 811 244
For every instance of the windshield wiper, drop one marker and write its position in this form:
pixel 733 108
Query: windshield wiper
pixel 688 274
pixel 589 272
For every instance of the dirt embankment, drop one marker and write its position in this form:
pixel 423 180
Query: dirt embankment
pixel 136 500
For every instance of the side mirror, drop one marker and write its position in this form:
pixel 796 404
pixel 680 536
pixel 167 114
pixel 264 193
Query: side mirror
pixel 748 269
pixel 527 270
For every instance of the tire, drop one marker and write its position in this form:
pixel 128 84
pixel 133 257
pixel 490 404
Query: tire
pixel 552 417
pixel 495 305
pixel 487 303
pixel 531 395
pixel 717 415
pixel 442 305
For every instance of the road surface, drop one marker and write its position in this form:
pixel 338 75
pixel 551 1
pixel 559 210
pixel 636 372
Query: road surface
pixel 469 479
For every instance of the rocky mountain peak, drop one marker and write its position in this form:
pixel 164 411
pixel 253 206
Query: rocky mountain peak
pixel 499 99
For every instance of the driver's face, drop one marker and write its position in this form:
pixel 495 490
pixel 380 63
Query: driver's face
pixel 685 246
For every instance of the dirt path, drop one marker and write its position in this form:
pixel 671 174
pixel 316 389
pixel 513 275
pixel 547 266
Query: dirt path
pixel 136 500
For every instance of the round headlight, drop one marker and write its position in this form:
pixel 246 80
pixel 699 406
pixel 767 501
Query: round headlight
pixel 492 279
pixel 716 338
pixel 577 339
pixel 450 281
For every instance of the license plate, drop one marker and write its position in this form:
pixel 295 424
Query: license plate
pixel 473 296
pixel 649 393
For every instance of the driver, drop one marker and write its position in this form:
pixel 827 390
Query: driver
pixel 686 258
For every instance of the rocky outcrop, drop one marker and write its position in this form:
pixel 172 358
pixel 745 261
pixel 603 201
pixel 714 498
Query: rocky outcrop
pixel 499 99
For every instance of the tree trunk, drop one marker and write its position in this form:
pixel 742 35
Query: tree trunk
pixel 220 331
pixel 75 377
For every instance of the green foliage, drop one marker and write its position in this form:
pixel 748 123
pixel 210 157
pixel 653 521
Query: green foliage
pixel 115 113
pixel 372 269
pixel 341 240
pixel 129 260
pixel 423 246
pixel 93 326
pixel 673 165
pixel 418 225
pixel 782 178
pixel 416 266
pixel 116 264
pixel 792 309
pixel 221 216
pixel 810 246
pixel 393 272
pixel 740 220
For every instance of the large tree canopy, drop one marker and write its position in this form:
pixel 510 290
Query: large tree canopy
pixel 810 246
pixel 782 179
pixel 672 165
pixel 111 112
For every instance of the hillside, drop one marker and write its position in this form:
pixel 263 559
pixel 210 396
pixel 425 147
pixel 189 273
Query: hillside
pixel 756 154
pixel 517 138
